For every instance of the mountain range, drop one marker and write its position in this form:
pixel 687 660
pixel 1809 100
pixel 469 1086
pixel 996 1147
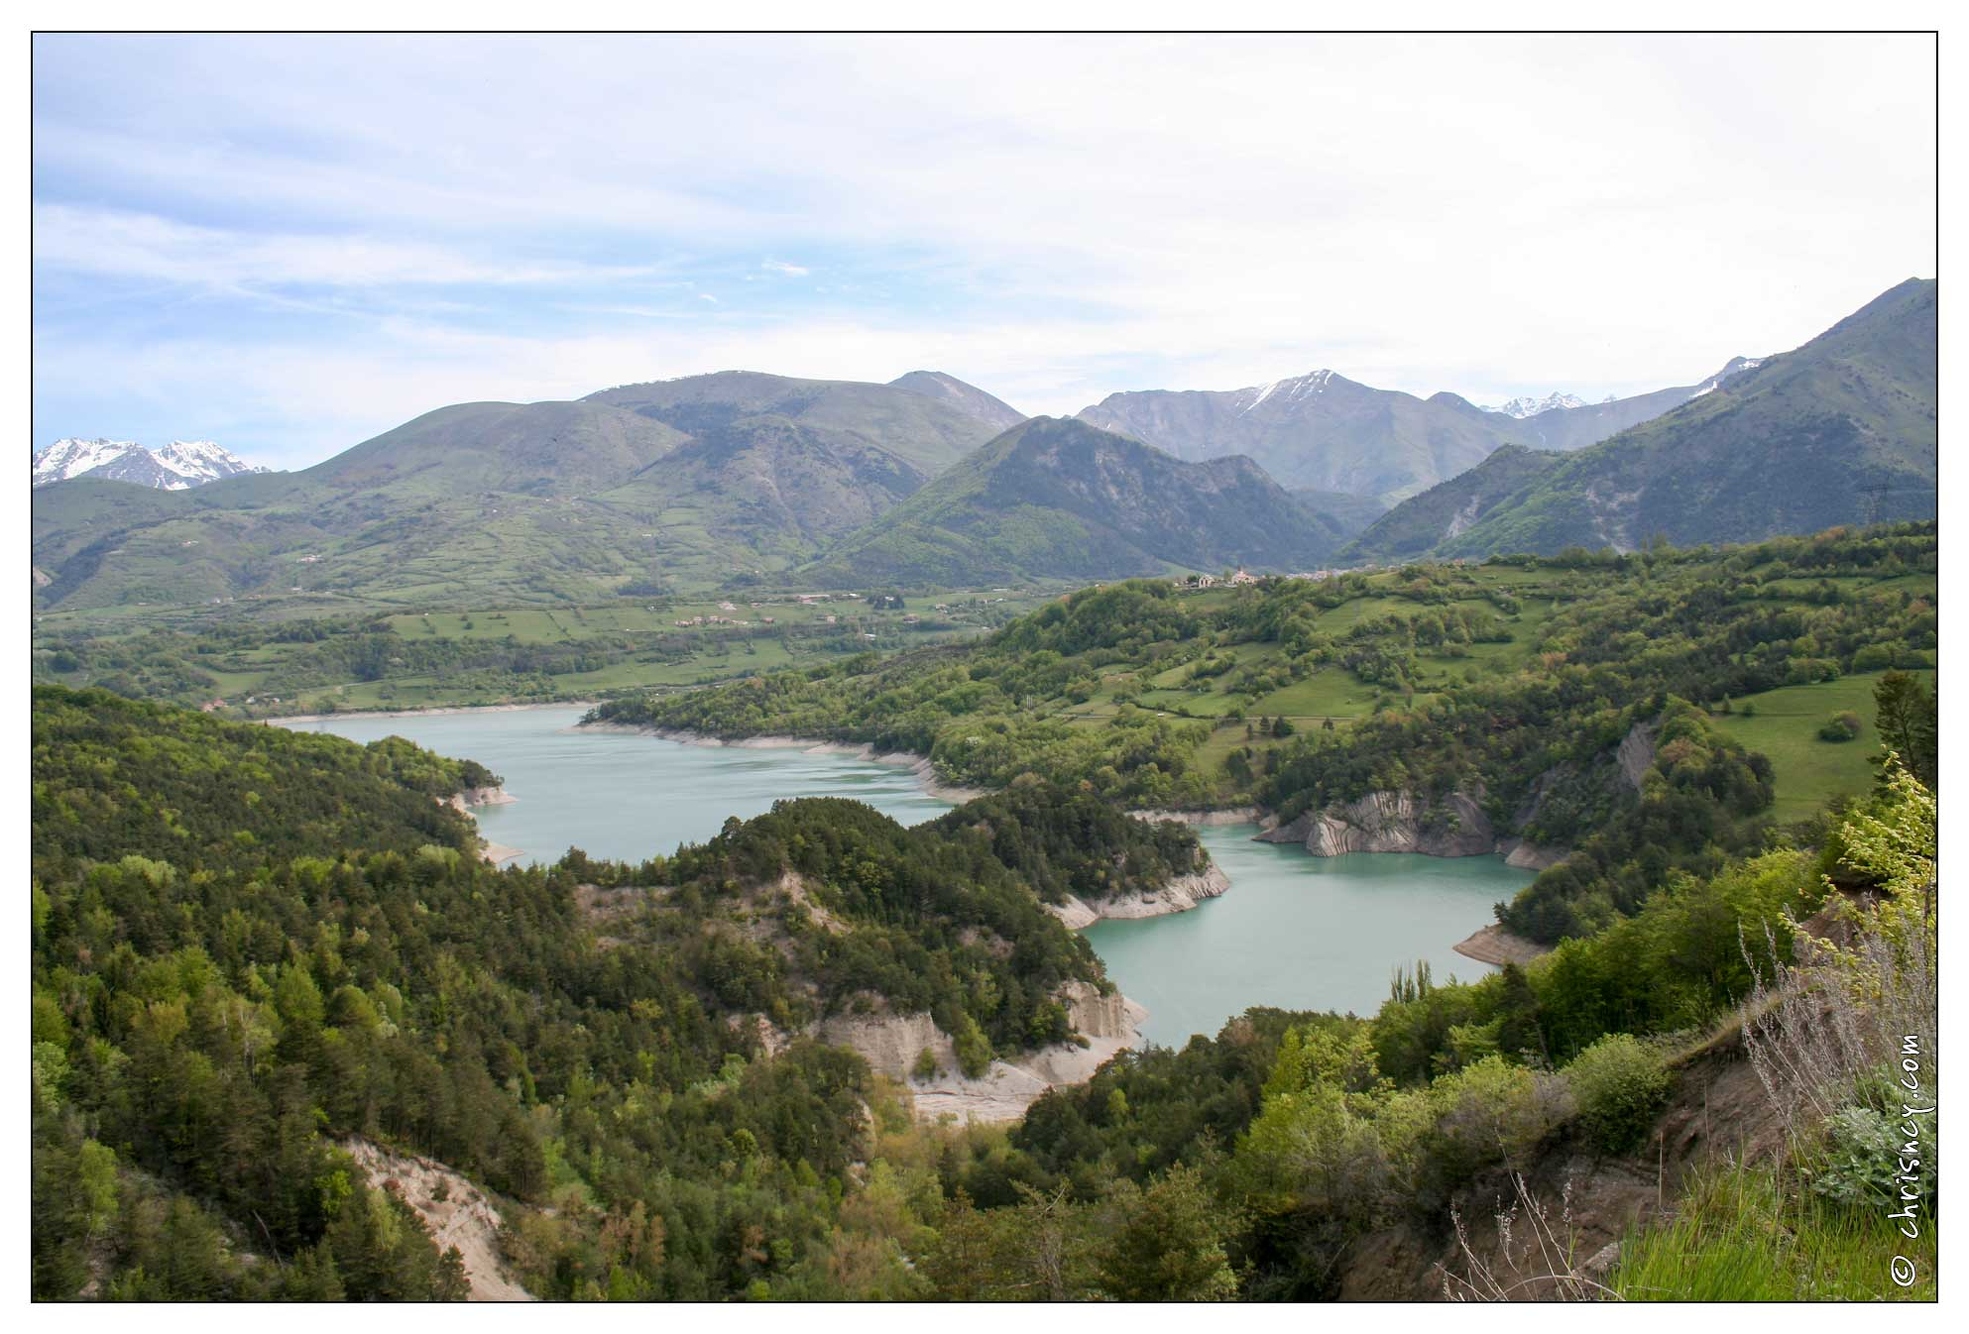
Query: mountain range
pixel 1325 431
pixel 178 466
pixel 743 478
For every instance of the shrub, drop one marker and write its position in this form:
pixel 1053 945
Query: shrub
pixel 1861 1158
pixel 973 1048
pixel 1620 1085
pixel 1840 727
pixel 1492 1112
pixel 926 1067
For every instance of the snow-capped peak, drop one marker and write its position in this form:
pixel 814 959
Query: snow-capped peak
pixel 72 457
pixel 202 460
pixel 175 467
pixel 1531 407
pixel 1294 389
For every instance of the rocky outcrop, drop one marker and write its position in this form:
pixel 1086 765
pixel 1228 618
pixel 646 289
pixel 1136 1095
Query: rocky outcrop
pixel 893 1045
pixel 1178 895
pixel 456 1212
pixel 480 796
pixel 1637 753
pixel 1392 822
pixel 1496 946
pixel 1073 914
pixel 1202 819
pixel 890 1043
pixel 1527 856
pixel 1094 1015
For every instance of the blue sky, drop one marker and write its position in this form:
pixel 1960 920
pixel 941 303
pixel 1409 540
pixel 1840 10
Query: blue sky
pixel 289 244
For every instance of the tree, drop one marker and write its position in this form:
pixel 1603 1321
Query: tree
pixel 1167 1243
pixel 1905 716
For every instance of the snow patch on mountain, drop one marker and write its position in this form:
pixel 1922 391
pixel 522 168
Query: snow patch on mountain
pixel 178 466
pixel 1294 389
pixel 1737 366
pixel 1531 407
pixel 202 461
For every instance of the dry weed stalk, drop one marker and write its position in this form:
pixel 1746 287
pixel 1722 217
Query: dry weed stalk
pixel 1815 1027
pixel 1538 1263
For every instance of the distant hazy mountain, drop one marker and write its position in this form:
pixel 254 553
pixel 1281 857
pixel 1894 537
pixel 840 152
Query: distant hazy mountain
pixel 995 413
pixel 1531 407
pixel 1320 431
pixel 1344 514
pixel 1577 425
pixel 1055 498
pixel 178 466
pixel 1840 431
pixel 1327 432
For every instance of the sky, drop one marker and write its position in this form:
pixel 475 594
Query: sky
pixel 292 243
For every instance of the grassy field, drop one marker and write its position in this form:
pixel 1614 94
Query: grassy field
pixel 1784 725
pixel 545 625
pixel 590 650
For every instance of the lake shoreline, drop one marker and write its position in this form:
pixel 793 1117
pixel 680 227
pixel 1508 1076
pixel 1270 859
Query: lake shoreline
pixel 918 765
pixel 353 715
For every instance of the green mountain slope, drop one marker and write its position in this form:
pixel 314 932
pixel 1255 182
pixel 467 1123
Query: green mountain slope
pixel 1055 498
pixel 1421 523
pixel 1840 431
pixel 929 434
pixel 766 489
pixel 686 483
pixel 993 412
pixel 530 448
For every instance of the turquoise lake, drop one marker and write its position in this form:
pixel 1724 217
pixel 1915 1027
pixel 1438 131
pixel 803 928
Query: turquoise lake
pixel 1294 931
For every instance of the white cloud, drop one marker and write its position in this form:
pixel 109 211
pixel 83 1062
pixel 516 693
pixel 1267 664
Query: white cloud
pixel 142 245
pixel 1055 218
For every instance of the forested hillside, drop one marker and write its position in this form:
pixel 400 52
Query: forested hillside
pixel 251 944
pixel 215 1017
pixel 1513 685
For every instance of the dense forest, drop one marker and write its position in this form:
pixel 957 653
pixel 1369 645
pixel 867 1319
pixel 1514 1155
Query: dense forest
pixel 252 948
